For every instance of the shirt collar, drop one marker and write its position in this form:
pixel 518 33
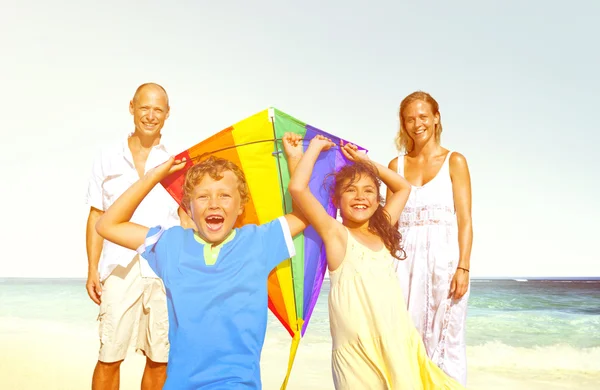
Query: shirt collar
pixel 127 152
pixel 225 241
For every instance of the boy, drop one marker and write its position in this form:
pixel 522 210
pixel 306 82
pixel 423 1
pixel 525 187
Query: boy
pixel 216 278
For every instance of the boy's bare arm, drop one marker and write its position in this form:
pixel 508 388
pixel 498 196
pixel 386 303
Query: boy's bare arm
pixel 115 224
pixel 293 148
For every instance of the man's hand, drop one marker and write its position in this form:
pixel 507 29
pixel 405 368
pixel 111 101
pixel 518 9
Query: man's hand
pixel 93 286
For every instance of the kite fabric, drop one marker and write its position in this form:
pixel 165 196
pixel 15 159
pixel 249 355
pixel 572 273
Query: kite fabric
pixel 255 145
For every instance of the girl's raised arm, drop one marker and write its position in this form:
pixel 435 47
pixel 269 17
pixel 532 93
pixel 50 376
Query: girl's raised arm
pixel 326 226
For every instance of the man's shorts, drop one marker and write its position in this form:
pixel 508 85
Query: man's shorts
pixel 133 312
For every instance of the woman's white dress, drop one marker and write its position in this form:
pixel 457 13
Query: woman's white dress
pixel 430 238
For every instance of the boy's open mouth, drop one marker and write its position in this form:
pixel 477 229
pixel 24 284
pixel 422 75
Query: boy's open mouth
pixel 214 222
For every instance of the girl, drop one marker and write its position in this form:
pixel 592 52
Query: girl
pixel 375 345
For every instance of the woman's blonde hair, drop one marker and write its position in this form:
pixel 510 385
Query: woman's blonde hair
pixel 403 141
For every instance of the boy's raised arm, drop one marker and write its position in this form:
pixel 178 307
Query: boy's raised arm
pixel 292 145
pixel 114 224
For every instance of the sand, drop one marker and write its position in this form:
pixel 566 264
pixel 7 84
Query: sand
pixel 54 356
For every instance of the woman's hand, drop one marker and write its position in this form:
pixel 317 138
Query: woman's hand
pixel 459 284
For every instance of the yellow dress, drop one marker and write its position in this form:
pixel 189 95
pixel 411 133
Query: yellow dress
pixel 375 344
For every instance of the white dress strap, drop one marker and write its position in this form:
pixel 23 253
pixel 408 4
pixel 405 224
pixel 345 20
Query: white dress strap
pixel 400 163
pixel 446 164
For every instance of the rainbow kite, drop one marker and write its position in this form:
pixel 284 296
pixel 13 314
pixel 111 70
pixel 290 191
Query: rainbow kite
pixel 254 144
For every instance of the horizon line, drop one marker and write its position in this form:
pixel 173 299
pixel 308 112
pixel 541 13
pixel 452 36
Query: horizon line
pixel 472 278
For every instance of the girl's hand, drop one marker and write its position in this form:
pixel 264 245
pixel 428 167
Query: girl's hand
pixel 292 145
pixel 352 153
pixel 168 167
pixel 322 143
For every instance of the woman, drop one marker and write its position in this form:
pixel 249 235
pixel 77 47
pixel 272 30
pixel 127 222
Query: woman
pixel 436 233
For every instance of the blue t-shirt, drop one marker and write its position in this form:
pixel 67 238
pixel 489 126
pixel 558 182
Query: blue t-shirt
pixel 217 302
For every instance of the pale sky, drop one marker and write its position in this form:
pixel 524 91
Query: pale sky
pixel 516 81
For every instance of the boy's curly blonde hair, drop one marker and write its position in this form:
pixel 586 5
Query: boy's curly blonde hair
pixel 214 167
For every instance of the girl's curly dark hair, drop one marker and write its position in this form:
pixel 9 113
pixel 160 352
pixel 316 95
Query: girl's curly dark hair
pixel 379 223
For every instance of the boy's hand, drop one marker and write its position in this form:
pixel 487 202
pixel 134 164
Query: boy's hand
pixel 352 153
pixel 322 143
pixel 292 145
pixel 168 167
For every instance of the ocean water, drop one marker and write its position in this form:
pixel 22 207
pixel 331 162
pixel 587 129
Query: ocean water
pixel 537 324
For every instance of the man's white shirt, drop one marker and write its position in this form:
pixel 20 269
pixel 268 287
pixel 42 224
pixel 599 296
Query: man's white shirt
pixel 113 173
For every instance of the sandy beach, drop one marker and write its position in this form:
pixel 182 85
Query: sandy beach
pixel 47 355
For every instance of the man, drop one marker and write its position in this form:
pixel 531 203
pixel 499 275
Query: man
pixel 132 299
